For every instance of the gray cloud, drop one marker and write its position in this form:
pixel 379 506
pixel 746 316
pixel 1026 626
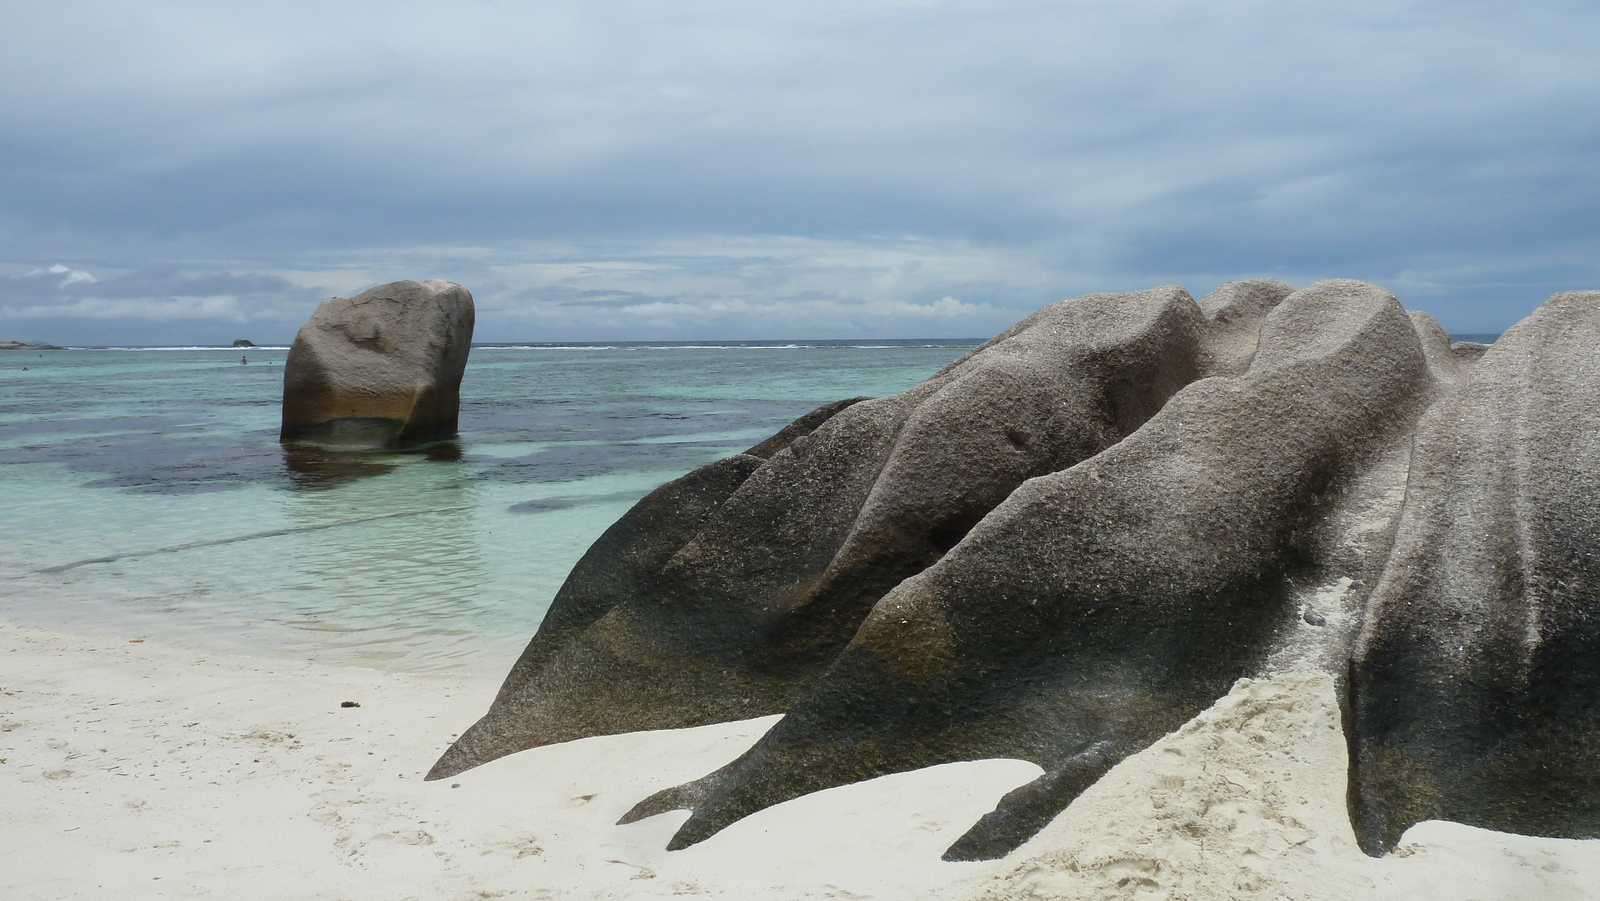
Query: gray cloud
pixel 810 166
pixel 151 306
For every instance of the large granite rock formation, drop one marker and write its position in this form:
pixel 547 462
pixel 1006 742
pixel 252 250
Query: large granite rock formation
pixel 1075 538
pixel 381 369
pixel 1475 687
pixel 1102 606
pixel 753 573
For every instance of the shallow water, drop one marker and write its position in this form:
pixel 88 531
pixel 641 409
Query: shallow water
pixel 145 493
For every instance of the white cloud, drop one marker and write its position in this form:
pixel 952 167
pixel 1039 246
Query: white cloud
pixel 74 276
pixel 948 306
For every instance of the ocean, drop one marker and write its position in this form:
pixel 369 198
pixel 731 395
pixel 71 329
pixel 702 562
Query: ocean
pixel 145 493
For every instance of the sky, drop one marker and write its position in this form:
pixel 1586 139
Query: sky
pixel 194 172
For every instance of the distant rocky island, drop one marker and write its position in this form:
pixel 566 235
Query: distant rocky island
pixel 243 342
pixel 23 345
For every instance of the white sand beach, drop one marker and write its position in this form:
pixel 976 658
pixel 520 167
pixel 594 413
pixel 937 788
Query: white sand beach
pixel 131 768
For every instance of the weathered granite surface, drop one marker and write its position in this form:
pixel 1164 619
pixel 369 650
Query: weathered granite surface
pixel 1075 538
pixel 1100 607
pixel 736 615
pixel 379 370
pixel 1475 687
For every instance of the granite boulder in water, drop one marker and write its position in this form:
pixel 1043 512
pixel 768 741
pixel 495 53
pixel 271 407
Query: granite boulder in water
pixel 381 370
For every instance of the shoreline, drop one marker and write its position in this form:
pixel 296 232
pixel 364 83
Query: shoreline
pixel 136 769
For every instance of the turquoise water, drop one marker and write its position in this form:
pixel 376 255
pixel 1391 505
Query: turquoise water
pixel 145 493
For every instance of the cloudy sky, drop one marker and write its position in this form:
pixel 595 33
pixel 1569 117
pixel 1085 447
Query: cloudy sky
pixel 178 172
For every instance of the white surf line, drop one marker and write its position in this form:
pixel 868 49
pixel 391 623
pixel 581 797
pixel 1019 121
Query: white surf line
pixel 237 538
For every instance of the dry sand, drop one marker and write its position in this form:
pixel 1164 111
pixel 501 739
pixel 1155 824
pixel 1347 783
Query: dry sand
pixel 138 770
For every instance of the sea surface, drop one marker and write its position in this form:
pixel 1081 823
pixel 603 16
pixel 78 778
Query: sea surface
pixel 143 492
